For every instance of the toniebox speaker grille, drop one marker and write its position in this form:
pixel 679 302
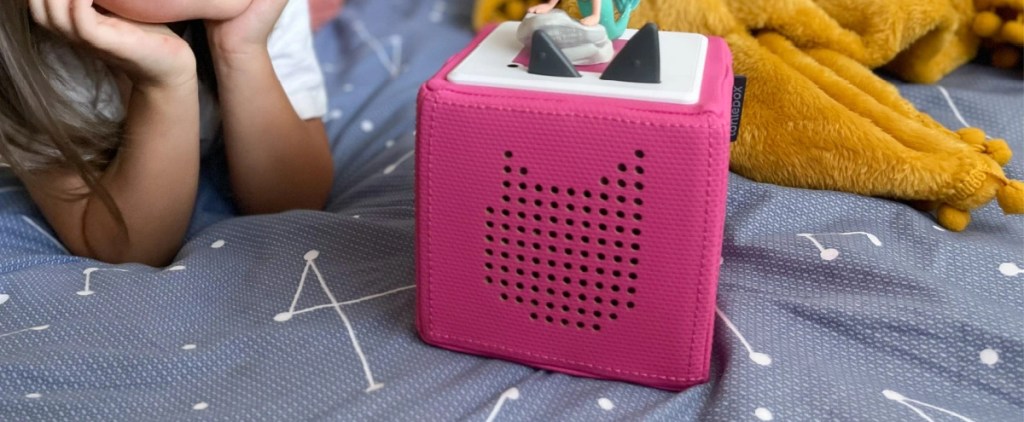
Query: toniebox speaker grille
pixel 566 256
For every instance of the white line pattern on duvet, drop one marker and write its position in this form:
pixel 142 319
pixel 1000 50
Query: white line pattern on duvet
pixel 393 62
pixel 310 258
pixel 763 414
pixel 284 316
pixel 36 328
pixel 1010 269
pixel 86 291
pixel 989 357
pixel 391 169
pixel 437 13
pixel 949 100
pixel 510 394
pixel 828 254
pixel 901 399
pixel 758 357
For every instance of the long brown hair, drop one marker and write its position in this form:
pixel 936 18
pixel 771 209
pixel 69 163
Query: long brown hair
pixel 41 128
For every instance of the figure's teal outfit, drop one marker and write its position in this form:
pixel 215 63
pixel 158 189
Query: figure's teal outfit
pixel 614 27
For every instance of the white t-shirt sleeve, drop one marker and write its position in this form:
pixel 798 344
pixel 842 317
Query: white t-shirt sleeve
pixel 295 61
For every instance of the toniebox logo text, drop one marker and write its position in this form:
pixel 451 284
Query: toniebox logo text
pixel 739 90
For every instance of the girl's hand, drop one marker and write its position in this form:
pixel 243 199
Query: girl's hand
pixel 147 54
pixel 248 33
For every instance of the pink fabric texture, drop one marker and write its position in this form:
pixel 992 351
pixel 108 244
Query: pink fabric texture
pixel 571 233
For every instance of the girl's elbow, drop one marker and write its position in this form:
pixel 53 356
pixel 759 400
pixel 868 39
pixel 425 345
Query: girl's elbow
pixel 126 253
pixel 124 246
pixel 318 195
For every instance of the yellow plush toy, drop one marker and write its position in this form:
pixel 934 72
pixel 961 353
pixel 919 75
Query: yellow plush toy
pixel 1001 24
pixel 817 117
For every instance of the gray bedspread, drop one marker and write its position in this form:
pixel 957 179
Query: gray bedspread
pixel 309 315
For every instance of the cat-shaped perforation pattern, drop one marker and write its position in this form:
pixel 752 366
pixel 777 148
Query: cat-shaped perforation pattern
pixel 568 255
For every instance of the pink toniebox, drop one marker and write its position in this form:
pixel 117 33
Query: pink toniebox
pixel 574 224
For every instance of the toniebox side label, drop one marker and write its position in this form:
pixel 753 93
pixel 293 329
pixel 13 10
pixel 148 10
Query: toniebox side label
pixel 739 90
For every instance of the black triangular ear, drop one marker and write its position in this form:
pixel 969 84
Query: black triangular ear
pixel 639 60
pixel 547 59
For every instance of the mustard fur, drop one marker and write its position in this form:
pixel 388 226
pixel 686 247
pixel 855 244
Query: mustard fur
pixel 841 126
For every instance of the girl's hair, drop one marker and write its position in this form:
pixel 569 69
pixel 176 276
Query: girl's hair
pixel 41 127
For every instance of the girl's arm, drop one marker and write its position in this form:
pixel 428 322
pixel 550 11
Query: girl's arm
pixel 154 176
pixel 153 181
pixel 277 161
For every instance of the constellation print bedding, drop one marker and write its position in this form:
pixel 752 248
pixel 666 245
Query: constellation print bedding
pixel 831 306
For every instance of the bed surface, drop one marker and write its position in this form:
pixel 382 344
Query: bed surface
pixel 296 316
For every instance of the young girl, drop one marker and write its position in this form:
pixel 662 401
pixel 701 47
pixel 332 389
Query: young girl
pixel 104 117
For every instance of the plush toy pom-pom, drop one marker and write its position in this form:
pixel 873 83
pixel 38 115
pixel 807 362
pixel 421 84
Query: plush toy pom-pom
pixel 953 219
pixel 1005 57
pixel 1013 32
pixel 999 151
pixel 1011 197
pixel 986 24
pixel 972 135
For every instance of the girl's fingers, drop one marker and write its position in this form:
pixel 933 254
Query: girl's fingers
pixel 38 10
pixel 83 18
pixel 59 12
